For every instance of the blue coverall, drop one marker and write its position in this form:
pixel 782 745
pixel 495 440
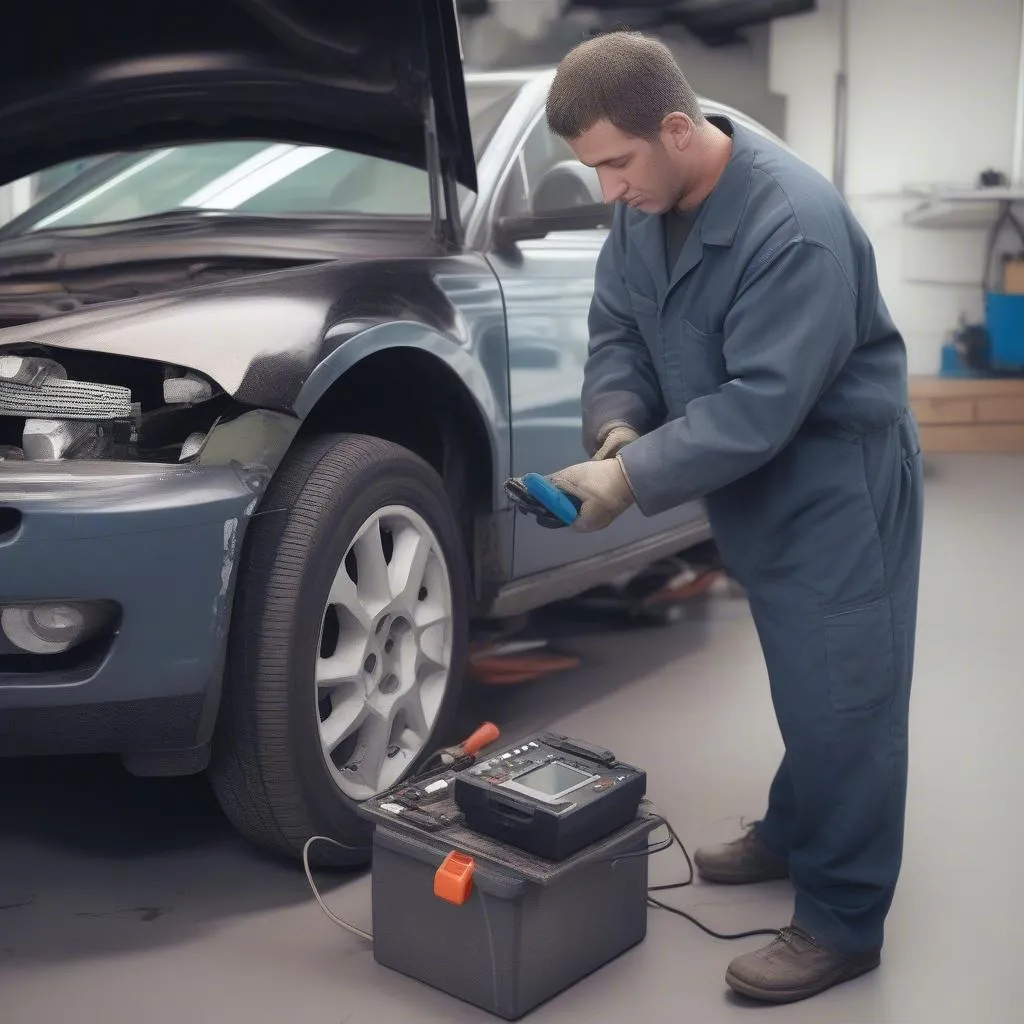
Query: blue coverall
pixel 765 374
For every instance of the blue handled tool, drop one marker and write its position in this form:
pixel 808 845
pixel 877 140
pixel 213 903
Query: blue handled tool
pixel 535 495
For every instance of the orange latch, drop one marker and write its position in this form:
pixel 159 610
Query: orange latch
pixel 453 880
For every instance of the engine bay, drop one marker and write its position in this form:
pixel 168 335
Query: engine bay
pixel 57 405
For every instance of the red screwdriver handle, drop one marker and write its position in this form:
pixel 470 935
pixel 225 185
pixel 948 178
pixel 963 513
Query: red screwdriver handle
pixel 482 737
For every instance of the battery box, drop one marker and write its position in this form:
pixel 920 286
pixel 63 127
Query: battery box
pixel 492 925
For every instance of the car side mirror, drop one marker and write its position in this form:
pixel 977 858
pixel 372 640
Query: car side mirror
pixel 589 217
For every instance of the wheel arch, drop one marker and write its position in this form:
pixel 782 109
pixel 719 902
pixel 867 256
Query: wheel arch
pixel 408 384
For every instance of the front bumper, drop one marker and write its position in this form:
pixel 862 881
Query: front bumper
pixel 161 542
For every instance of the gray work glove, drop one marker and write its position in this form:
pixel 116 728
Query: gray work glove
pixel 613 437
pixel 601 487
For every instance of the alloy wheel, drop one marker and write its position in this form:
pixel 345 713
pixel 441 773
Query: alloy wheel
pixel 385 652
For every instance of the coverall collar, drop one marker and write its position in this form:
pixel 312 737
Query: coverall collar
pixel 717 222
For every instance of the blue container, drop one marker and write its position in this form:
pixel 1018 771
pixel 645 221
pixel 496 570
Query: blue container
pixel 1004 316
pixel 952 364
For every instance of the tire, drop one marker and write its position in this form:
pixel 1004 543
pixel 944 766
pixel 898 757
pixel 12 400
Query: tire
pixel 270 767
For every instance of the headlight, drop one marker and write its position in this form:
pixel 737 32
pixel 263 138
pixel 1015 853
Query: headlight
pixel 54 627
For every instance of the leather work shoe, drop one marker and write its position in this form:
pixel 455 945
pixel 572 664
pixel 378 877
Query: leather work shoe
pixel 794 966
pixel 741 861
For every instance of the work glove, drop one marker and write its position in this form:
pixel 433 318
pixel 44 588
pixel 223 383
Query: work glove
pixel 601 487
pixel 613 436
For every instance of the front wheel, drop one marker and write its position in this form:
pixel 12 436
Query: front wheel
pixel 348 644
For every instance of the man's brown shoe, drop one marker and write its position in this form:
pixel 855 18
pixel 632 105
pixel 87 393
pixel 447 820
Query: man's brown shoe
pixel 743 860
pixel 795 966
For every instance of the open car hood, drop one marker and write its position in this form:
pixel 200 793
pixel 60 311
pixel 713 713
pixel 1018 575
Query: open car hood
pixel 84 78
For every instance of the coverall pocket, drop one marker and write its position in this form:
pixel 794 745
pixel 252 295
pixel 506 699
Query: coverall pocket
pixel 694 363
pixel 860 658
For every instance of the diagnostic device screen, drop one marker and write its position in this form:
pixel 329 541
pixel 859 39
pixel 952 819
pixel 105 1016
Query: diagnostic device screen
pixel 552 778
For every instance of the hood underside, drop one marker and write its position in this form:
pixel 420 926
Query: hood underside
pixel 80 79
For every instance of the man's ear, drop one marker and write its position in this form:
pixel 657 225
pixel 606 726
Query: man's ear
pixel 678 130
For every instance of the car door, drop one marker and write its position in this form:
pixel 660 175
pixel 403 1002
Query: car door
pixel 548 283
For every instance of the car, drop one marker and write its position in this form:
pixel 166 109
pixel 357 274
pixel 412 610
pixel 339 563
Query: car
pixel 311 294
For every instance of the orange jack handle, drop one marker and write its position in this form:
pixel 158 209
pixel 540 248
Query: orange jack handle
pixel 484 736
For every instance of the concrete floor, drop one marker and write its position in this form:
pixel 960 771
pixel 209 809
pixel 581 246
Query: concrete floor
pixel 99 925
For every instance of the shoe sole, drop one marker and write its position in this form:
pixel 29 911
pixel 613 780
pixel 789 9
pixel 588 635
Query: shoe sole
pixel 774 995
pixel 741 879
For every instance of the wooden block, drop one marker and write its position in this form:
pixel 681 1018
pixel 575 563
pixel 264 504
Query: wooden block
pixel 987 437
pixel 944 410
pixel 1000 409
pixel 965 387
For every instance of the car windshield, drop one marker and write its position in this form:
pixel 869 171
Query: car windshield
pixel 242 177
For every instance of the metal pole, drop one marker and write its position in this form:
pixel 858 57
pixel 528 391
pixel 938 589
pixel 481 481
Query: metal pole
pixel 1018 123
pixel 841 100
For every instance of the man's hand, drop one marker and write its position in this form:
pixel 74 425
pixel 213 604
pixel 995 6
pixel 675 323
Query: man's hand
pixel 601 487
pixel 613 438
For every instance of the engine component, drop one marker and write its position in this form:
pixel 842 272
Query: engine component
pixel 186 390
pixel 47 440
pixel 40 388
pixel 29 371
pixel 193 446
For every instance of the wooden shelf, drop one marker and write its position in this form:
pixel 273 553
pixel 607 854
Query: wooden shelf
pixel 969 414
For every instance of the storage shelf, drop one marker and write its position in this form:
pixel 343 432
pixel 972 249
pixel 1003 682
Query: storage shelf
pixel 959 206
pixel 969 414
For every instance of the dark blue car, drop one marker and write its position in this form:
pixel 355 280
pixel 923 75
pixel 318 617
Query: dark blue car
pixel 265 363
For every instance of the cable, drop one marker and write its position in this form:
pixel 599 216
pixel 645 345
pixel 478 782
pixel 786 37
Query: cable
pixel 648 851
pixel 366 936
pixel 652 902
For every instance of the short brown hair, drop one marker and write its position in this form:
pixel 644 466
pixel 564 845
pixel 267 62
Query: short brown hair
pixel 629 79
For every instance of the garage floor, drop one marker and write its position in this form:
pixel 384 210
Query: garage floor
pixel 124 900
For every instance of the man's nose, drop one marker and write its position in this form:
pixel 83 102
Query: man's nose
pixel 612 188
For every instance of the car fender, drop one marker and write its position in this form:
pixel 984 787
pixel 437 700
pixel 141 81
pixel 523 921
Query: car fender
pixel 356 341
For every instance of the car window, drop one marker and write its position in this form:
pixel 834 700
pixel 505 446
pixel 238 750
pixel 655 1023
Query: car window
pixel 258 177
pixel 546 176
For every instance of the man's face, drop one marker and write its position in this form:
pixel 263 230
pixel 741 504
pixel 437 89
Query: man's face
pixel 649 176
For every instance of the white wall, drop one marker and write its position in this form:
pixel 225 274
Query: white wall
pixel 534 32
pixel 932 95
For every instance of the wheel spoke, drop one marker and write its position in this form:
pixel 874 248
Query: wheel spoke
pixel 374 586
pixel 432 644
pixel 345 594
pixel 347 715
pixel 410 706
pixel 408 565
pixel 371 750
pixel 344 666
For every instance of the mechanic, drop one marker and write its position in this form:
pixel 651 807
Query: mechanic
pixel 740 351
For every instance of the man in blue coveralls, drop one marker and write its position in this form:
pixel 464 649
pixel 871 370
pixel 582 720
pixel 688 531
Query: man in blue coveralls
pixel 740 351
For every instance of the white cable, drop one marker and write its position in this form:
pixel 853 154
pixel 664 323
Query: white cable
pixel 367 936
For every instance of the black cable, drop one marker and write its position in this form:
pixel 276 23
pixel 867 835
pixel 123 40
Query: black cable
pixel 674 840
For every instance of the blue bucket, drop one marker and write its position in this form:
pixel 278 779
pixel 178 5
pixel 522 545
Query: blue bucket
pixel 1004 319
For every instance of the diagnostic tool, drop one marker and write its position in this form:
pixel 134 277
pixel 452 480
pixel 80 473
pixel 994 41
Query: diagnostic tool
pixel 550 796
pixel 535 495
